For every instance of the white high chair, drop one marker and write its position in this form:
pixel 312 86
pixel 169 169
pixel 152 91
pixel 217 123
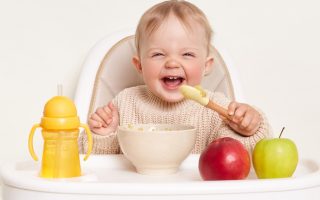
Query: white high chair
pixel 108 69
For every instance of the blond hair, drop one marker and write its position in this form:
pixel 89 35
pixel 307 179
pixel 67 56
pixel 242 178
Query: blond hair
pixel 185 12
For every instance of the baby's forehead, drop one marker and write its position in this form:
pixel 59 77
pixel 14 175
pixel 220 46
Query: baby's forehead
pixel 166 29
pixel 189 24
pixel 173 23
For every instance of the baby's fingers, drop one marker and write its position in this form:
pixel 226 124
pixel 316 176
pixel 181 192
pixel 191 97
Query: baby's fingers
pixel 247 120
pixel 239 114
pixel 232 108
pixel 236 111
pixel 103 114
pixel 94 124
pixel 255 123
pixel 98 119
pixel 108 114
pixel 111 107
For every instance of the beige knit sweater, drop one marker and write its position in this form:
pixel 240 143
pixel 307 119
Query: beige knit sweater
pixel 139 105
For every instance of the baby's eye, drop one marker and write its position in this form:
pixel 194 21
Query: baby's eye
pixel 157 54
pixel 189 54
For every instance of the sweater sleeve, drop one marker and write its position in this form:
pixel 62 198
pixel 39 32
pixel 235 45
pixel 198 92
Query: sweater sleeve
pixel 101 144
pixel 223 130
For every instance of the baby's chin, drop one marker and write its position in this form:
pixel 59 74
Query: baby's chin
pixel 172 98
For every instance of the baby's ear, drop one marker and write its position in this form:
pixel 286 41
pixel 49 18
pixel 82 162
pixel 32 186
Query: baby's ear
pixel 137 63
pixel 208 65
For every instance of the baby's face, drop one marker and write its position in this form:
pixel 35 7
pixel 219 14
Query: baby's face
pixel 172 56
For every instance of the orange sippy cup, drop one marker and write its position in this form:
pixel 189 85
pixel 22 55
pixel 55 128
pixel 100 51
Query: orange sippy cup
pixel 60 130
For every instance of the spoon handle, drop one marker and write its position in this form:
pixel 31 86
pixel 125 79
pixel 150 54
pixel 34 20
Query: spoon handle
pixel 222 111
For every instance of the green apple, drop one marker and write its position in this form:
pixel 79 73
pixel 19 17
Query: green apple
pixel 275 158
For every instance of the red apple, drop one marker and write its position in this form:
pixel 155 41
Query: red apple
pixel 224 159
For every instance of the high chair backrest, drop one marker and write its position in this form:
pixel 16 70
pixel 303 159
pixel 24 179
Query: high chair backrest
pixel 108 69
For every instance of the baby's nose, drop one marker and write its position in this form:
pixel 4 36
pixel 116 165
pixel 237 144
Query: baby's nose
pixel 172 64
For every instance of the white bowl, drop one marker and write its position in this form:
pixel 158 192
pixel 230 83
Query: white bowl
pixel 156 149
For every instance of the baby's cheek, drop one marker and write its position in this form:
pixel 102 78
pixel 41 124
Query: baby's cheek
pixel 195 77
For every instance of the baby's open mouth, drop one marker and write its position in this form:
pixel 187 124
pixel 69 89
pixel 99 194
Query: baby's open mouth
pixel 173 81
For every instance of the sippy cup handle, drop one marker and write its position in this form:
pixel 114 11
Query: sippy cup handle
pixel 30 142
pixel 88 132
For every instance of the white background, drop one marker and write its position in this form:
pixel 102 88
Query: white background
pixel 274 45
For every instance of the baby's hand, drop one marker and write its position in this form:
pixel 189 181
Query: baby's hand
pixel 105 120
pixel 245 119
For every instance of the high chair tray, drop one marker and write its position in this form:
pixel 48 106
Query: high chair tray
pixel 113 177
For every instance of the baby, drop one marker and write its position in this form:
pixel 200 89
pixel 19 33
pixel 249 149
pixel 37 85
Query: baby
pixel 173 48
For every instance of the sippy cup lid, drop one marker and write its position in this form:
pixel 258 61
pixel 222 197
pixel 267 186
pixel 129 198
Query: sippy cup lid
pixel 60 113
